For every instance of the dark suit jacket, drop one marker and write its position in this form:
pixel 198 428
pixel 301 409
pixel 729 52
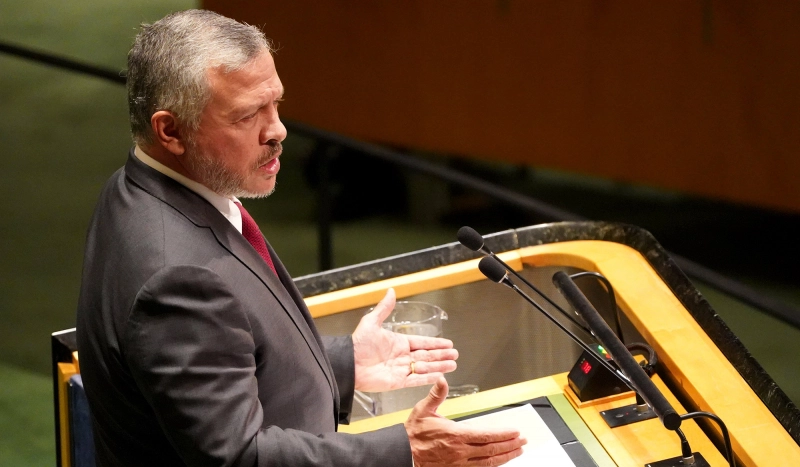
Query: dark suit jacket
pixel 194 353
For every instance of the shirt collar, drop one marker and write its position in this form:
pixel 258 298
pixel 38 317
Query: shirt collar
pixel 226 206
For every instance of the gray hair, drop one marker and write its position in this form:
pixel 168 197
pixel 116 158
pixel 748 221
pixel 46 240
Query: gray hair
pixel 168 62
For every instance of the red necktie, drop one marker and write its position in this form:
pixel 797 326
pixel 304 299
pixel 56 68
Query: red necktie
pixel 252 234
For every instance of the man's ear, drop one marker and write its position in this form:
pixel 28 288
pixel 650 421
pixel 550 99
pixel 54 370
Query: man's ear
pixel 168 133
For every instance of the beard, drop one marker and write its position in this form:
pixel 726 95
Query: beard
pixel 210 171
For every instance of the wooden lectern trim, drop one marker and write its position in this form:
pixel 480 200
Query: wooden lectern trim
pixel 404 286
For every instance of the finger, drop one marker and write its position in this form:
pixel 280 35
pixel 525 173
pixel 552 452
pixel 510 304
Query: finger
pixel 436 396
pixel 480 436
pixel 440 355
pixel 384 307
pixel 495 449
pixel 428 343
pixel 424 368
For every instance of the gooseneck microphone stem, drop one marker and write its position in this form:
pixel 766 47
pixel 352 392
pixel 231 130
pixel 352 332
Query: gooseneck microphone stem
pixel 725 436
pixel 471 239
pixel 575 338
pixel 611 297
pixel 642 383
pixel 686 450
pixel 539 292
pixel 491 268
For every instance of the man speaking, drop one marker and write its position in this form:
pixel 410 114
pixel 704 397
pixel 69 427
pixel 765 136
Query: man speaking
pixel 195 346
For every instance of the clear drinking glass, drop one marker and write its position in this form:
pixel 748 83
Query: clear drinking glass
pixel 408 317
pixel 417 318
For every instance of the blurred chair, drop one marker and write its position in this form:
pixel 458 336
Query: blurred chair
pixel 73 422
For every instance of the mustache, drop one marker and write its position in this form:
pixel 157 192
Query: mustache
pixel 273 150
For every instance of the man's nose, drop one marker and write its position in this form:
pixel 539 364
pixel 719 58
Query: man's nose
pixel 274 130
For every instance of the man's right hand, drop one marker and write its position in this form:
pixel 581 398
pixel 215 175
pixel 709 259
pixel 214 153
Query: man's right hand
pixel 437 441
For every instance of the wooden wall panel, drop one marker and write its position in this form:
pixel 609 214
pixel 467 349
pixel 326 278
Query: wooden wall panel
pixel 697 96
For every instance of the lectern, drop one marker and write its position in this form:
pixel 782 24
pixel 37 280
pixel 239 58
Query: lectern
pixel 513 354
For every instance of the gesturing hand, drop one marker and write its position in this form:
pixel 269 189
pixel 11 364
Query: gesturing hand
pixel 437 441
pixel 383 359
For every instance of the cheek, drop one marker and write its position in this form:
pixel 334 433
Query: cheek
pixel 245 142
pixel 235 152
pixel 237 149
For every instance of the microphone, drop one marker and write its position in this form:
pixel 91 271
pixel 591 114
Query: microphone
pixel 641 383
pixel 492 268
pixel 643 387
pixel 471 239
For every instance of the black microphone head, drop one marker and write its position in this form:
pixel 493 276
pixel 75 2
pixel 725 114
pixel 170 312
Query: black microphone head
pixel 492 269
pixel 470 238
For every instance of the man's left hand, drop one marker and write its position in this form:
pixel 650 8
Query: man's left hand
pixel 386 360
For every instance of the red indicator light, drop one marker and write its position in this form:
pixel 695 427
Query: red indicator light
pixel 603 352
pixel 586 367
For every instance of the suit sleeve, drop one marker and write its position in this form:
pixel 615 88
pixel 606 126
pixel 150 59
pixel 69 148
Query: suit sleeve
pixel 340 352
pixel 189 347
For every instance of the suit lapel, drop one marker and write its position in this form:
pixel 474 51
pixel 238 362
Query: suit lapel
pixel 203 214
pixel 314 340
pixel 234 242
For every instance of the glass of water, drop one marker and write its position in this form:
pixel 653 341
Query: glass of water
pixel 408 317
pixel 417 318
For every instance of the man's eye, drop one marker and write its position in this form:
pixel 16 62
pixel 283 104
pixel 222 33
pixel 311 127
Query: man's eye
pixel 252 115
pixel 278 102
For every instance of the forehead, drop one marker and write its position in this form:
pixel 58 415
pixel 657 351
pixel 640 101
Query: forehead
pixel 258 79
